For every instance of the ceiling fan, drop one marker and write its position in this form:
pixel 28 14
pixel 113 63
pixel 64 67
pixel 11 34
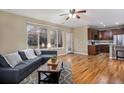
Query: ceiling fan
pixel 73 14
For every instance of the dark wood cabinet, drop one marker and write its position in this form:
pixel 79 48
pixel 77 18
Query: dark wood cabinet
pixel 117 31
pixel 92 50
pixel 96 49
pixel 105 35
pixel 92 34
pixel 104 48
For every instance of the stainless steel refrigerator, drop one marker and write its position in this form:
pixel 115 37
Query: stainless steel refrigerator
pixel 119 40
pixel 119 44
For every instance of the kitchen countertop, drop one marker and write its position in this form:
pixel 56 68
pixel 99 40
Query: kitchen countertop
pixel 102 44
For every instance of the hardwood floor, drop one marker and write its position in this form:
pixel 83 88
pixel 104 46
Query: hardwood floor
pixel 95 69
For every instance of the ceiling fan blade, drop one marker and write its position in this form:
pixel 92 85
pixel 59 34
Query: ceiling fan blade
pixel 64 14
pixel 78 16
pixel 82 11
pixel 67 18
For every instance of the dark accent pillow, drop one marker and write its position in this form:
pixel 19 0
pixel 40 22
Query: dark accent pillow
pixel 3 62
pixel 22 55
pixel 35 53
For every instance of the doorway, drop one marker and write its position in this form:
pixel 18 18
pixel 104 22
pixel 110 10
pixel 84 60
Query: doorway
pixel 69 43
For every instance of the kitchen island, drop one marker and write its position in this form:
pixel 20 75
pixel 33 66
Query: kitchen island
pixel 99 46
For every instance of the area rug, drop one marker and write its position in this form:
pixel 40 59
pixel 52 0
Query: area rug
pixel 65 77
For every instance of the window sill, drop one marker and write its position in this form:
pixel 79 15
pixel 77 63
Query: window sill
pixel 52 48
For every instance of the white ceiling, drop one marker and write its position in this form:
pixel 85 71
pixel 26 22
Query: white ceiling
pixel 91 17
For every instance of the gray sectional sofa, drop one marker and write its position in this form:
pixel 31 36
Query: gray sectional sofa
pixel 14 75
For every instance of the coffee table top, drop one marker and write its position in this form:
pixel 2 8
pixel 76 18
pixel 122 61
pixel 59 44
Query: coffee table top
pixel 46 68
pixel 50 63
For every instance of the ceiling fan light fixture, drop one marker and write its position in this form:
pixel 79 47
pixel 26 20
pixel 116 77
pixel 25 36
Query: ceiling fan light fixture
pixel 70 15
pixel 74 15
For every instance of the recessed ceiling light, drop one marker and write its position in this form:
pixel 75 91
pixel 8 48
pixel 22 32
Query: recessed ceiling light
pixel 104 25
pixel 101 23
pixel 116 23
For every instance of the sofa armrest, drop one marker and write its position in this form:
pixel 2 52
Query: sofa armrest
pixel 48 52
pixel 8 75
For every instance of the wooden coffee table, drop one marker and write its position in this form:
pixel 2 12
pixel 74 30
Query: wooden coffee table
pixel 50 72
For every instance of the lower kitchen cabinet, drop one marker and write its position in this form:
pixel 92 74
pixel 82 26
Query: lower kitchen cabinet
pixel 103 48
pixel 92 50
pixel 96 49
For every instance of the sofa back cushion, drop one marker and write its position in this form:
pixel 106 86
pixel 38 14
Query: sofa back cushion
pixel 30 53
pixel 13 59
pixel 3 62
pixel 22 55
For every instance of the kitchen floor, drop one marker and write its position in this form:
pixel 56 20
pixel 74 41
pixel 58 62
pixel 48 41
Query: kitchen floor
pixel 97 69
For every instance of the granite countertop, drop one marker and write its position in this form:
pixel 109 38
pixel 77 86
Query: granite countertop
pixel 102 44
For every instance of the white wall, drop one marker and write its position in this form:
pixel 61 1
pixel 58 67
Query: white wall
pixel 80 38
pixel 13 33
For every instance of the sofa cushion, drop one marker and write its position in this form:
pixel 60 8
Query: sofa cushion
pixel 30 53
pixel 3 62
pixel 13 59
pixel 28 64
pixel 22 55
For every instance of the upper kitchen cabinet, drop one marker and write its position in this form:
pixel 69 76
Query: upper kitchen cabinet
pixel 105 35
pixel 92 34
pixel 118 31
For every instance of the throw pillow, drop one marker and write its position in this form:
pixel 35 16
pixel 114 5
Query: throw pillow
pixel 38 52
pixel 3 62
pixel 22 55
pixel 30 53
pixel 13 59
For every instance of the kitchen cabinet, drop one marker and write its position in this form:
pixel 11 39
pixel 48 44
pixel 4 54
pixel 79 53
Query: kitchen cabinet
pixel 117 31
pixel 105 35
pixel 103 48
pixel 92 34
pixel 96 49
pixel 92 50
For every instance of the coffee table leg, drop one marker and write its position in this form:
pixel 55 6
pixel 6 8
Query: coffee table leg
pixel 38 77
pixel 62 66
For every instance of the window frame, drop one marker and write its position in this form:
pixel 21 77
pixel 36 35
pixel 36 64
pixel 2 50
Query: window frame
pixel 48 38
pixel 57 39
pixel 62 40
pixel 39 39
pixel 28 34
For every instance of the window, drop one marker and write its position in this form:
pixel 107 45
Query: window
pixel 60 39
pixel 43 38
pixel 53 39
pixel 38 37
pixel 56 39
pixel 32 36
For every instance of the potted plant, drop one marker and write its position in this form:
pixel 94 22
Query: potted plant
pixel 54 59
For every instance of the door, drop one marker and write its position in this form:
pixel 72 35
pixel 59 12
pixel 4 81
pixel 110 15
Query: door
pixel 68 42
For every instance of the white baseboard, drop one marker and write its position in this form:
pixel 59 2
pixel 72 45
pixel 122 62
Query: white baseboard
pixel 81 53
pixel 112 57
